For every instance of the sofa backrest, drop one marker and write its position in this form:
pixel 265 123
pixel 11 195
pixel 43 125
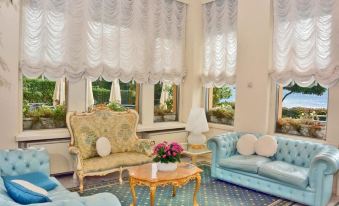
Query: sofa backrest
pixel 118 127
pixel 297 152
pixel 22 161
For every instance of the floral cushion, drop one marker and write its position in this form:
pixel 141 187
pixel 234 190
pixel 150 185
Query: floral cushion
pixel 118 127
pixel 144 146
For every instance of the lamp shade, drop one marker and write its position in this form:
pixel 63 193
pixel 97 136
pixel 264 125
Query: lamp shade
pixel 197 122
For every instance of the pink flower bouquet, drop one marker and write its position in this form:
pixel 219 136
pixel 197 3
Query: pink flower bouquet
pixel 167 153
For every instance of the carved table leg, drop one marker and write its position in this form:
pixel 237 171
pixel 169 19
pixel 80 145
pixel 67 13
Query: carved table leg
pixel 174 191
pixel 153 190
pixel 197 187
pixel 132 186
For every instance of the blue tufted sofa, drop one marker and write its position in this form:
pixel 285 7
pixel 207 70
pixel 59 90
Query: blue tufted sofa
pixel 17 162
pixel 300 171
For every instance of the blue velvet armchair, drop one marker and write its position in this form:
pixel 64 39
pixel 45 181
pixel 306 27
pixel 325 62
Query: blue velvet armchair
pixel 17 162
pixel 300 171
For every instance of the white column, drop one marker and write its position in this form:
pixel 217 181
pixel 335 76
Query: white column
pixel 191 93
pixel 10 94
pixel 147 104
pixel 254 61
pixel 333 116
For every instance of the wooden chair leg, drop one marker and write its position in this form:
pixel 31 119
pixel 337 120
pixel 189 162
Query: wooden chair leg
pixel 81 183
pixel 120 176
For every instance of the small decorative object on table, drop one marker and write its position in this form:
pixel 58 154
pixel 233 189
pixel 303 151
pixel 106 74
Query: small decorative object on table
pixel 167 156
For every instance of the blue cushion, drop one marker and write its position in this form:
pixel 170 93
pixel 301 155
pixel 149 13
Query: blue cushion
pixel 24 195
pixel 36 178
pixel 292 174
pixel 250 163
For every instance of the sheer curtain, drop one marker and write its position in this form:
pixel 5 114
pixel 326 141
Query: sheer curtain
pixel 140 40
pixel 220 42
pixel 306 43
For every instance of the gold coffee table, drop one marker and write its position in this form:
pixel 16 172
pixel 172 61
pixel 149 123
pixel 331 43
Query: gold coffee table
pixel 142 175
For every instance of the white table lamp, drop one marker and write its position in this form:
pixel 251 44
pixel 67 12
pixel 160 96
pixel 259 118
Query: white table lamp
pixel 196 125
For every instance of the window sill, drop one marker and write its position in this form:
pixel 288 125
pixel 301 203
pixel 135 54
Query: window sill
pixel 221 126
pixel 63 133
pixel 160 126
pixel 301 138
pixel 34 135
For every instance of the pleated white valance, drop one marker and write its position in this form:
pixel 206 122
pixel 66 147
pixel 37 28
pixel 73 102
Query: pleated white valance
pixel 140 40
pixel 306 42
pixel 220 42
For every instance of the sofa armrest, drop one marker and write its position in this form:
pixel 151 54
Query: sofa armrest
pixel 76 152
pixel 144 146
pixel 323 164
pixel 223 146
pixel 101 199
pixel 329 157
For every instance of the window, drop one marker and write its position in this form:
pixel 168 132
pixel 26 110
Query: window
pixel 165 102
pixel 43 104
pixel 302 111
pixel 126 94
pixel 221 105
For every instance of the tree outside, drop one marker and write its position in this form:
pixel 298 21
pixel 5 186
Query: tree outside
pixel 303 111
pixel 221 105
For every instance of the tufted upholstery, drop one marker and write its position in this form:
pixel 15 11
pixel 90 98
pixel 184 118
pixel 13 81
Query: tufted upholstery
pixel 297 152
pixel 315 164
pixel 19 161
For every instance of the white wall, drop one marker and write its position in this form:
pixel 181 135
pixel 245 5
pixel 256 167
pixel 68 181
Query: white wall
pixel 254 54
pixel 9 96
pixel 253 82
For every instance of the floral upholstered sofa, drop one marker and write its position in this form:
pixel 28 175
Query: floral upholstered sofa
pixel 120 128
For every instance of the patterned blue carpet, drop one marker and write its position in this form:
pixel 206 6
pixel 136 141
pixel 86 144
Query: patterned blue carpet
pixel 212 193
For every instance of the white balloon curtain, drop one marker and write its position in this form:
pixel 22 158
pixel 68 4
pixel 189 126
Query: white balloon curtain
pixel 220 42
pixel 140 40
pixel 306 42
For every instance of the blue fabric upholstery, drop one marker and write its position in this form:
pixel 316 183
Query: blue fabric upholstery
pixel 320 162
pixel 18 162
pixel 249 163
pixel 37 178
pixel 286 172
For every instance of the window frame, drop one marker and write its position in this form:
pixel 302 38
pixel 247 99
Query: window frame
pixel 176 103
pixel 209 105
pixel 278 105
pixel 21 104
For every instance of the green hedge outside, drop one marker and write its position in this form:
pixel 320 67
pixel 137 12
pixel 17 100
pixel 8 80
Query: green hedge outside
pixel 296 112
pixel 38 91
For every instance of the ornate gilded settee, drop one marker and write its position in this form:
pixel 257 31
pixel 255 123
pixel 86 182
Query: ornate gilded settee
pixel 119 128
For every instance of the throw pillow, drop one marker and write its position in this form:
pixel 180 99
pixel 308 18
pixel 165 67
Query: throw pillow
pixel 266 146
pixel 25 193
pixel 36 178
pixel 245 144
pixel 103 146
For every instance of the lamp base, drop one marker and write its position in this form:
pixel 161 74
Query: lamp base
pixel 196 139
